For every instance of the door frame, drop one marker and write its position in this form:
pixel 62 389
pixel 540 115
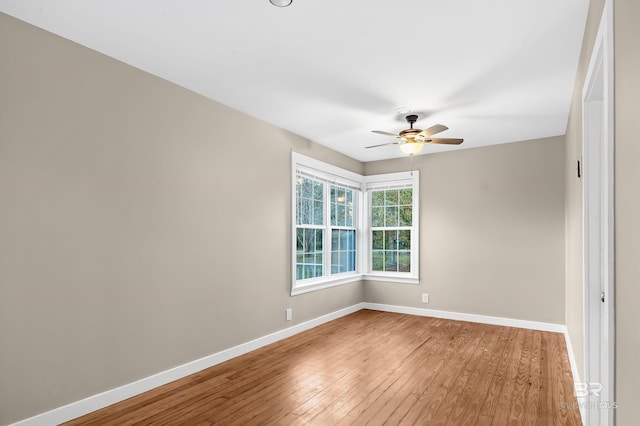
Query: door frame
pixel 598 221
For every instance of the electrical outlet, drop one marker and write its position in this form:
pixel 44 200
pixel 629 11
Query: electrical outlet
pixel 289 314
pixel 425 297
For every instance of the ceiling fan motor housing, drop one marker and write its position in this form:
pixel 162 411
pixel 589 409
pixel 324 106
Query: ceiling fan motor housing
pixel 411 132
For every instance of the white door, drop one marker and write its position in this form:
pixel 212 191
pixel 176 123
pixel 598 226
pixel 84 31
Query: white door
pixel 595 392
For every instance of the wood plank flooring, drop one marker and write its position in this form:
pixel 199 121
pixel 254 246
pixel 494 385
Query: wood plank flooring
pixel 371 368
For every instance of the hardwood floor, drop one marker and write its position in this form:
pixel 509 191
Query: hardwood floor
pixel 373 368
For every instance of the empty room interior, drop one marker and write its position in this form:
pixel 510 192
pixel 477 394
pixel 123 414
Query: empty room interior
pixel 296 212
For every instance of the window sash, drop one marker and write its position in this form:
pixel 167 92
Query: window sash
pixel 388 205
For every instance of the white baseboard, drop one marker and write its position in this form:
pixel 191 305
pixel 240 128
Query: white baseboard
pixel 572 357
pixel 104 399
pixel 574 367
pixel 484 319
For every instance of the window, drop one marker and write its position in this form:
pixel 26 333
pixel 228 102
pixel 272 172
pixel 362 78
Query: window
pixel 393 227
pixel 347 227
pixel 391 214
pixel 311 228
pixel 326 211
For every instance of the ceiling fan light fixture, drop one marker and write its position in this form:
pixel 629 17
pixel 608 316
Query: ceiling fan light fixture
pixel 411 148
pixel 281 3
pixel 412 140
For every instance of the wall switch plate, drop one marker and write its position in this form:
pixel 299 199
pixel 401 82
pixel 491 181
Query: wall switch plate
pixel 425 297
pixel 289 314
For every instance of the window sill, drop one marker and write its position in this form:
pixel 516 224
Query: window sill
pixel 391 279
pixel 333 282
pixel 319 285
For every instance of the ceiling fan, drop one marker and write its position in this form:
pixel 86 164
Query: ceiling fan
pixel 412 140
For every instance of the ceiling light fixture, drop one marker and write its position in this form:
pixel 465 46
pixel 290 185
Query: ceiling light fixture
pixel 281 3
pixel 412 147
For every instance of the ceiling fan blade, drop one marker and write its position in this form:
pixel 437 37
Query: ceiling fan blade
pixel 433 130
pixel 445 141
pixel 380 132
pixel 383 144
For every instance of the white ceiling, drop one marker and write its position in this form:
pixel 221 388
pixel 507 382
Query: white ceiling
pixel 493 71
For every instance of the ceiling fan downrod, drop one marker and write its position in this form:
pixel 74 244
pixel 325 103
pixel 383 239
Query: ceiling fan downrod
pixel 411 119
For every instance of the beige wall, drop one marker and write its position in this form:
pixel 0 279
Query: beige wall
pixel 573 190
pixel 627 208
pixel 491 232
pixel 141 226
pixel 129 215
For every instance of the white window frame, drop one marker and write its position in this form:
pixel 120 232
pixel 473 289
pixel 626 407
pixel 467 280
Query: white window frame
pixel 409 179
pixel 333 175
pixel 329 175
